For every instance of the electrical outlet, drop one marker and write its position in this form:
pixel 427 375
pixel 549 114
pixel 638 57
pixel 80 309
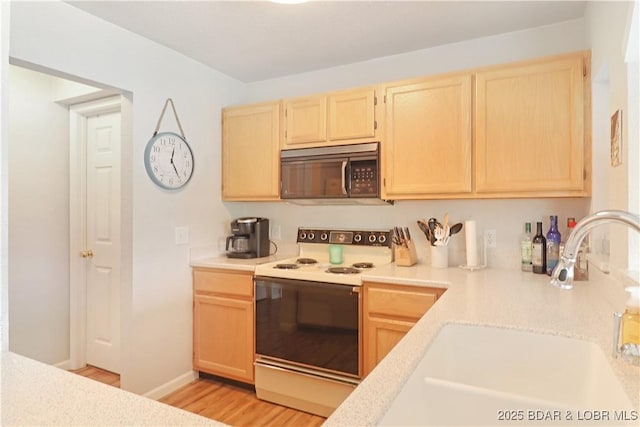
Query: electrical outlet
pixel 490 238
pixel 182 235
pixel 275 231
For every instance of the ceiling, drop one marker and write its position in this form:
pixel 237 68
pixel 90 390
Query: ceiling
pixel 259 40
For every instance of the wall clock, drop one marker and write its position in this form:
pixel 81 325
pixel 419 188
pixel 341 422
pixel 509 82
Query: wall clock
pixel 168 158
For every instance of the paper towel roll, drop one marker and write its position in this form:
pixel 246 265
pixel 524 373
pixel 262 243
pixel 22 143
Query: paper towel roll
pixel 472 243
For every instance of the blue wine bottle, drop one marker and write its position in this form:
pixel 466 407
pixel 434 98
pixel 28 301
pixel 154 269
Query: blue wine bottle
pixel 553 244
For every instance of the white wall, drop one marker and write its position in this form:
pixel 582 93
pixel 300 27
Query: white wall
pixel 4 181
pixel 607 26
pixel 506 216
pixel 38 218
pixel 156 298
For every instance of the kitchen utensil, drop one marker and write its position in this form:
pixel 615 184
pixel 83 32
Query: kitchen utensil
pixel 424 227
pixel 445 222
pixel 432 226
pixel 455 228
pixel 407 234
pixel 398 237
pixel 441 237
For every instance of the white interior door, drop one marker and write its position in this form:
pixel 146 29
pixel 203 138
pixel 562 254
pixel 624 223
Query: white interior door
pixel 103 240
pixel 95 320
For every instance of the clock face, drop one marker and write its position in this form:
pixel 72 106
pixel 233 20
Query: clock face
pixel 168 160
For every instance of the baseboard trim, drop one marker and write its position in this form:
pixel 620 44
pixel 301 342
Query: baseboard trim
pixel 66 365
pixel 171 386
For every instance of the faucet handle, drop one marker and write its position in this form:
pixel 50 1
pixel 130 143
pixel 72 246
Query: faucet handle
pixel 617 322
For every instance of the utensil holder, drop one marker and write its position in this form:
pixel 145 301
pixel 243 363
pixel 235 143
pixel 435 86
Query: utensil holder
pixel 440 256
pixel 406 257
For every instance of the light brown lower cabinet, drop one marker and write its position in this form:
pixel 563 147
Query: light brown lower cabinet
pixel 389 312
pixel 223 323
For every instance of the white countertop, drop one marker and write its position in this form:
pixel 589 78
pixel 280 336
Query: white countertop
pixel 506 298
pixel 243 264
pixel 37 394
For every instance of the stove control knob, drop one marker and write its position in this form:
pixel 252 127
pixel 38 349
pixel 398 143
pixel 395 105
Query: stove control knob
pixel 303 235
pixel 324 236
pixel 372 238
pixel 382 238
pixel 357 238
pixel 311 235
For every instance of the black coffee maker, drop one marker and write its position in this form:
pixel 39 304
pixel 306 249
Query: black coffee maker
pixel 249 238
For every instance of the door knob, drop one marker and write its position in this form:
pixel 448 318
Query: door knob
pixel 87 254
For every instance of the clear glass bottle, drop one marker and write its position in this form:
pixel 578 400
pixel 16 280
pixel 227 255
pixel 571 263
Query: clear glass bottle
pixel 571 224
pixel 553 244
pixel 539 251
pixel 525 248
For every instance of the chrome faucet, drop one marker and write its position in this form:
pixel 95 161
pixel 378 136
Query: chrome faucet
pixel 562 276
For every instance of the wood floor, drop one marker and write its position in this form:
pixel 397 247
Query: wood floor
pixel 222 401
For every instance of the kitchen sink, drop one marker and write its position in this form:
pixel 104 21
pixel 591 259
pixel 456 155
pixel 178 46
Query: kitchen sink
pixel 480 375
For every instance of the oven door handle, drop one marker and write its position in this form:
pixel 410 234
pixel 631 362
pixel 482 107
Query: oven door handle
pixel 355 289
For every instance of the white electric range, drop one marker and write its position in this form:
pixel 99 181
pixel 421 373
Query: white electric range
pixel 362 250
pixel 308 317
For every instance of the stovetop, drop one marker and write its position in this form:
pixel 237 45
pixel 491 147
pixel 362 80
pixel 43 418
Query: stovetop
pixel 362 251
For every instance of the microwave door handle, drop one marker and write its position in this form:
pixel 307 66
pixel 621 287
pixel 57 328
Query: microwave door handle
pixel 344 177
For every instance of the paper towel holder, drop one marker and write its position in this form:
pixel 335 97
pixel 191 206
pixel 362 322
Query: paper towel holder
pixel 484 260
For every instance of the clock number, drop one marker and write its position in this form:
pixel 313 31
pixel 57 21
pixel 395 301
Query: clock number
pixel 156 149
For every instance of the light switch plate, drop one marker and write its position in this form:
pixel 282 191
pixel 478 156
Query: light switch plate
pixel 182 235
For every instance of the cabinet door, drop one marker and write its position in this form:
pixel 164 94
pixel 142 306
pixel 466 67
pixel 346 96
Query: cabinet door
pixel 251 152
pixel 223 337
pixel 530 128
pixel 306 120
pixel 428 144
pixel 352 115
pixel 389 312
pixel 381 335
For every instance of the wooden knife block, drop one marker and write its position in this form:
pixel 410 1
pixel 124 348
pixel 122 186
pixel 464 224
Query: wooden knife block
pixel 406 257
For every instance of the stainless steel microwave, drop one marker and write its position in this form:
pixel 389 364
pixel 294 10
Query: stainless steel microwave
pixel 342 174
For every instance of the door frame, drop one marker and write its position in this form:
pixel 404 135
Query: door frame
pixel 78 115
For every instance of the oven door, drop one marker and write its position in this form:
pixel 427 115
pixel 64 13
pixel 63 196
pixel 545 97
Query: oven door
pixel 310 325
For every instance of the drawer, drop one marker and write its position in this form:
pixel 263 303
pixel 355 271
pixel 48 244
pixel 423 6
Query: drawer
pixel 400 302
pixel 226 282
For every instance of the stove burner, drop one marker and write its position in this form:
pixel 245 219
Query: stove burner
pixel 306 261
pixel 286 266
pixel 363 265
pixel 343 270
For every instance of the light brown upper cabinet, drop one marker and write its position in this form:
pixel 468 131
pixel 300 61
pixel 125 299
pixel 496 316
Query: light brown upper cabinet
pixel 251 152
pixel 427 145
pixel 330 119
pixel 530 124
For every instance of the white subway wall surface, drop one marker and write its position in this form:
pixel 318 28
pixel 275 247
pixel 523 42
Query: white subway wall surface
pixel 606 31
pixel 156 297
pixel 507 217
pixel 38 218
pixel 553 39
pixel 4 181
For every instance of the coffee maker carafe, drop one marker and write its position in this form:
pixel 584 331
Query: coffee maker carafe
pixel 249 238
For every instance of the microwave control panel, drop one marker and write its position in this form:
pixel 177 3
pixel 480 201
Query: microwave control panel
pixel 364 178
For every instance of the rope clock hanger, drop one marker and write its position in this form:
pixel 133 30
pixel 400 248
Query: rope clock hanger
pixel 168 158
